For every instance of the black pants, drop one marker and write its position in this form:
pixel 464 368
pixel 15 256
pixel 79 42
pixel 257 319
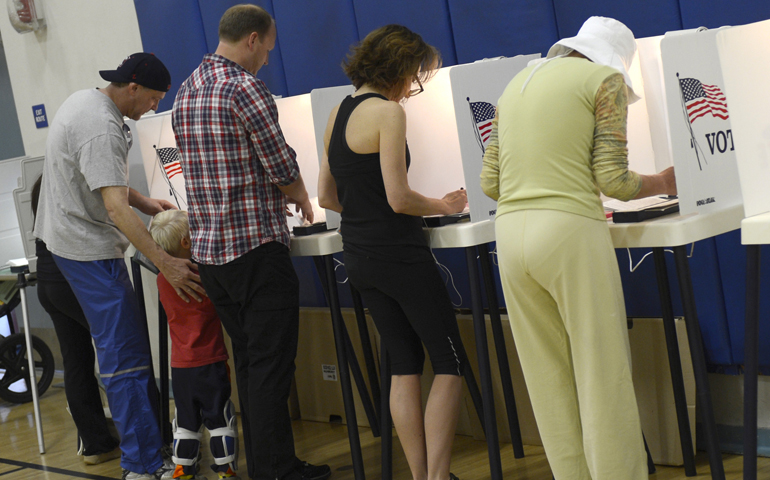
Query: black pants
pixel 80 384
pixel 410 306
pixel 257 300
pixel 200 396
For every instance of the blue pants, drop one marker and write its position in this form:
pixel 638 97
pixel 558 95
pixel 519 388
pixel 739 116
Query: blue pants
pixel 105 292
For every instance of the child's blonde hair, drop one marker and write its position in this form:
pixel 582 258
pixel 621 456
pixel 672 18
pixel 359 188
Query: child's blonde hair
pixel 168 228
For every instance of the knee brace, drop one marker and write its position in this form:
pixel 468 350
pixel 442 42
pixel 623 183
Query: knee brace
pixel 226 438
pixel 184 436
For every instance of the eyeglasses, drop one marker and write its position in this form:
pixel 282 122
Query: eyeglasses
pixel 416 91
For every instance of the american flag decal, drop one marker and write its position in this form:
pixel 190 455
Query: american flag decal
pixel 483 113
pixel 701 99
pixel 169 160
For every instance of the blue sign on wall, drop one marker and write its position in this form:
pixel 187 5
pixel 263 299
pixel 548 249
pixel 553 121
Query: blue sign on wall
pixel 41 119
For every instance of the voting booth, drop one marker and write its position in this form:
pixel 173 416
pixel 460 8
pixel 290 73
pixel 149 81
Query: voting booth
pixel 448 127
pixel 702 143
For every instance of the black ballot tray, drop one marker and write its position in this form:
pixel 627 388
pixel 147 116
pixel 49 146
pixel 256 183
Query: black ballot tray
pixel 636 216
pixel 304 230
pixel 441 220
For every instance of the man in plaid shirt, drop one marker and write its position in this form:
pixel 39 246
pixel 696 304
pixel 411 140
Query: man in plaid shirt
pixel 239 174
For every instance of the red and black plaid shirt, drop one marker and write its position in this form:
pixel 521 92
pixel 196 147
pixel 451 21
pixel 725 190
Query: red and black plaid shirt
pixel 233 156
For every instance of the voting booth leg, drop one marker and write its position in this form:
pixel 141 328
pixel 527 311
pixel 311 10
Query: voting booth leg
pixel 323 266
pixel 366 346
pixel 165 418
pixel 326 271
pixel 751 347
pixel 699 363
pixel 386 423
pixel 480 332
pixel 32 383
pixel 473 390
pixel 164 423
pixel 674 362
pixel 502 353
pixel 650 464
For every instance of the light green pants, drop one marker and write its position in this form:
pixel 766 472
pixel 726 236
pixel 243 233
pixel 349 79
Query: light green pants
pixel 565 302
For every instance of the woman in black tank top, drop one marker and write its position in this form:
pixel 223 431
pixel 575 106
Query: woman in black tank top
pixel 364 177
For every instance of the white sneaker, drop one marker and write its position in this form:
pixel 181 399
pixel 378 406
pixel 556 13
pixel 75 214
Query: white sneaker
pixel 127 475
pixel 161 473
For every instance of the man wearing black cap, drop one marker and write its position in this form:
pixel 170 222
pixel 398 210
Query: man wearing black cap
pixel 85 218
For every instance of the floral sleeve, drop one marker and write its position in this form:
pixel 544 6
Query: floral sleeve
pixel 610 155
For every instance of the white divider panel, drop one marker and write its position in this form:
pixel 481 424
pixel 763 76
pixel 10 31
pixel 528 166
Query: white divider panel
pixel 323 101
pixel 431 134
pixel 648 145
pixel 744 53
pixel 654 101
pixel 702 142
pixel 151 132
pixel 31 169
pixel 476 87
pixel 295 115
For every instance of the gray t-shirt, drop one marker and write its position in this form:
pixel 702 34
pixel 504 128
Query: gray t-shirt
pixel 87 149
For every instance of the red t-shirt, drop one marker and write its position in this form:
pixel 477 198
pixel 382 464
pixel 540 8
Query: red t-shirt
pixel 196 333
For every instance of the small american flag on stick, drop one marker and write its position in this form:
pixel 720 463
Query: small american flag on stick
pixel 700 99
pixel 169 160
pixel 483 113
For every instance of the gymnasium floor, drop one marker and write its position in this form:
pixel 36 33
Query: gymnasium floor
pixel 315 442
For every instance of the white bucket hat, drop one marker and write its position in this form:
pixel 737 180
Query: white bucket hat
pixel 605 41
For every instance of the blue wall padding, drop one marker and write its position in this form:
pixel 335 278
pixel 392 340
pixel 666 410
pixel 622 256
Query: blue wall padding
pixel 491 28
pixel 643 300
pixel 316 37
pixel 732 261
pixel 429 18
pixel 645 19
pixel 174 33
pixel 717 13
pixel 273 73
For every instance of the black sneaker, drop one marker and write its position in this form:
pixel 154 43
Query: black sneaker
pixel 313 472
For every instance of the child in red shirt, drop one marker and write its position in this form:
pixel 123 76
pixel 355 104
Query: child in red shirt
pixel 199 374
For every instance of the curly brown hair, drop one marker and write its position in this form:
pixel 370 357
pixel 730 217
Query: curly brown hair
pixel 389 57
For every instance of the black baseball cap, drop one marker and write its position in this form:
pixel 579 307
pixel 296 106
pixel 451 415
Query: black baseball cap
pixel 143 69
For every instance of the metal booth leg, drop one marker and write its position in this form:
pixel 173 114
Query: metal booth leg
pixel 350 353
pixel 480 332
pixel 366 345
pixel 751 370
pixel 326 272
pixel 386 422
pixel 674 362
pixel 32 383
pixel 699 363
pixel 502 352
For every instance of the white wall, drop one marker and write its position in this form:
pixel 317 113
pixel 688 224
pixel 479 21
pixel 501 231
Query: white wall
pixel 81 38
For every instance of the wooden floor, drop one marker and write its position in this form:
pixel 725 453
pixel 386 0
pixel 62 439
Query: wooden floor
pixel 315 442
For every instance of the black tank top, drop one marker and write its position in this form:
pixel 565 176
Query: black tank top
pixel 369 226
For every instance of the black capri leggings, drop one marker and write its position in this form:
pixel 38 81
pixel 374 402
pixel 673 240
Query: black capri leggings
pixel 410 307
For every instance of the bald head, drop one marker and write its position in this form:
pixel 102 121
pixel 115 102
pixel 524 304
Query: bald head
pixel 241 20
